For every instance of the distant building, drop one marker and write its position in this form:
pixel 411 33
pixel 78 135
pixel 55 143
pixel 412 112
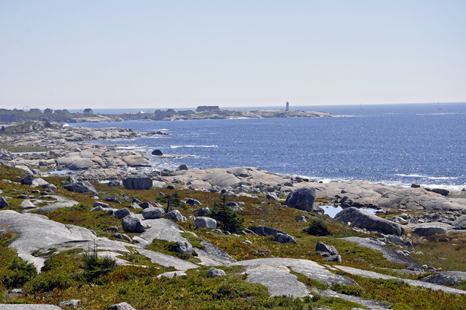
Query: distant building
pixel 64 111
pixel 48 111
pixel 208 108
pixel 88 111
pixel 35 111
pixel 287 106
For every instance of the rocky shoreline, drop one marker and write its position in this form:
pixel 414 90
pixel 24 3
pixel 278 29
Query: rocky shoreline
pixel 72 148
pixel 428 212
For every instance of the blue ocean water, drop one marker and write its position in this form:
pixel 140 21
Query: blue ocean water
pixel 393 144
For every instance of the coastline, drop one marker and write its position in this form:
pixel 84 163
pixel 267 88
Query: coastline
pixel 73 148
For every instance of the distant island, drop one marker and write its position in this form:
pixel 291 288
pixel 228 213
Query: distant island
pixel 202 112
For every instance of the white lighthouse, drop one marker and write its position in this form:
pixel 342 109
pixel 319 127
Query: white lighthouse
pixel 287 106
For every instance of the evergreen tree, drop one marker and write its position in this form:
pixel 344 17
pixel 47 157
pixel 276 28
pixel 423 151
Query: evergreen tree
pixel 225 217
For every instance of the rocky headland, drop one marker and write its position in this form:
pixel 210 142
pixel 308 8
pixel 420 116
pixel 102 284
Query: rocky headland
pixel 277 206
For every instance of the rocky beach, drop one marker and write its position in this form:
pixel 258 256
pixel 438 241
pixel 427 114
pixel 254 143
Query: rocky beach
pixel 406 215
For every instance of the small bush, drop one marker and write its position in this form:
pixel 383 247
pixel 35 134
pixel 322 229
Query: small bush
pixel 17 273
pixel 95 266
pixel 47 282
pixel 317 228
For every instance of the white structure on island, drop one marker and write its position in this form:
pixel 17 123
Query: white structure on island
pixel 287 106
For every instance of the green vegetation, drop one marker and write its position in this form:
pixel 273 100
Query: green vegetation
pixel 317 228
pixel 225 217
pixel 98 282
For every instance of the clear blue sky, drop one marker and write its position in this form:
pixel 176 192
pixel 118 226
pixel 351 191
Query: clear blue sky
pixel 159 54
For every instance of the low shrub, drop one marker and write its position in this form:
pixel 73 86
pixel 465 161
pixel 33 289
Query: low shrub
pixel 317 228
pixel 47 282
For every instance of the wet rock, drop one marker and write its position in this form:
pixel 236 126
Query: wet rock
pixel 182 167
pixel 157 152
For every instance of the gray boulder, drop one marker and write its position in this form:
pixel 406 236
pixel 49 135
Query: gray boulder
pixel 114 183
pixel 39 182
pixel 99 208
pixel 27 180
pixel 70 303
pixel 137 183
pixel 324 248
pixel 132 224
pixel 145 205
pixel 175 215
pixel 430 231
pixel 363 219
pixel 49 186
pixel 182 167
pixel 203 221
pixel 121 213
pixel 113 199
pixel 284 238
pixel 272 196
pixel 216 273
pixel 3 202
pixel 300 219
pixel 184 247
pixel 334 258
pixel 460 223
pixel 153 213
pixel 193 202
pixel 121 306
pixel 201 211
pixel 449 278
pixel 81 187
pixel 101 204
pixel 302 199
pixel 268 231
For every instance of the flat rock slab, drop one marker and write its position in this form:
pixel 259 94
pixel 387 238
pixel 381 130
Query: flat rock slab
pixel 375 275
pixel 61 202
pixel 388 253
pixel 37 231
pixel 167 260
pixel 371 304
pixel 274 273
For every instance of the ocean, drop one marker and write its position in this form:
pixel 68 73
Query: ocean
pixel 392 144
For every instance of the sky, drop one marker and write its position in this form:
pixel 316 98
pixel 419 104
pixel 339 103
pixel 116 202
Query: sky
pixel 181 54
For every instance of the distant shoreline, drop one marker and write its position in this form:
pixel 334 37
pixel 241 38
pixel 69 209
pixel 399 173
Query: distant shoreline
pixel 59 116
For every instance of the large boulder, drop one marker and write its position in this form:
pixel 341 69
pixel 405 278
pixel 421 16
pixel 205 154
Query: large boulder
pixel 216 273
pixel 460 223
pixel 203 221
pixel 302 199
pixel 430 230
pixel 153 213
pixel 121 213
pixel 325 248
pixel 175 215
pixel 81 187
pixel 184 247
pixel 3 202
pixel 27 180
pixel 363 219
pixel 157 152
pixel 136 160
pixel 268 231
pixel 132 224
pixel 137 183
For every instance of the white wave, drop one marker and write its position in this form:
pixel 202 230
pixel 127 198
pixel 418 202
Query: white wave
pixel 179 146
pixel 412 175
pixel 443 178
